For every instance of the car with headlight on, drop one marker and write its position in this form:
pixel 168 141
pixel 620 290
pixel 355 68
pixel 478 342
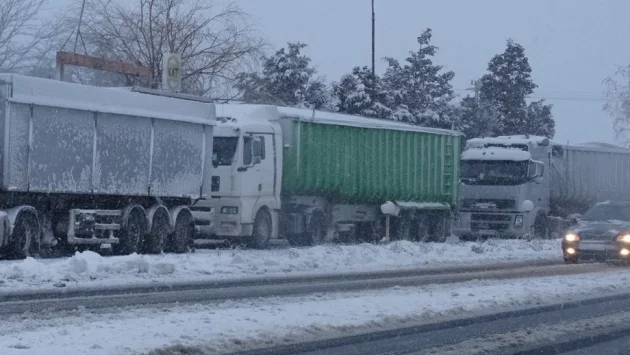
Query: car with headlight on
pixel 602 233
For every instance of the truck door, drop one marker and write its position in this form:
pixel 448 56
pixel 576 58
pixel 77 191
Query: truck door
pixel 258 157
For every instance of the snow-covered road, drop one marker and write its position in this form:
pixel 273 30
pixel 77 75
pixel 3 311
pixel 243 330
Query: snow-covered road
pixel 92 270
pixel 232 325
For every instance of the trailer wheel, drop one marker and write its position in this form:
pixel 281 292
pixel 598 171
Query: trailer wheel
pixel 438 227
pixel 24 240
pixel 134 230
pixel 403 228
pixel 421 229
pixel 261 234
pixel 183 231
pixel 160 229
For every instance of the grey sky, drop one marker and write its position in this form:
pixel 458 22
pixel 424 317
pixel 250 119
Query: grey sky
pixel 571 44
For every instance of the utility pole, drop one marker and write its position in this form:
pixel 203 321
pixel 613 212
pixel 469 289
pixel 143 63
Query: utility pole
pixel 476 88
pixel 373 51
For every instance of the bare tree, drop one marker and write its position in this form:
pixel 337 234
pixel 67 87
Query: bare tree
pixel 25 38
pixel 215 44
pixel 617 95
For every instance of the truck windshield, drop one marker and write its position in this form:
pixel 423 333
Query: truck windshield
pixel 224 149
pixel 493 172
pixel 608 212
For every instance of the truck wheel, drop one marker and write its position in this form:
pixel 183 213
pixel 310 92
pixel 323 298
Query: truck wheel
pixel 316 232
pixel 403 228
pixel 261 235
pixel 438 227
pixel 183 231
pixel 130 236
pixel 24 240
pixel 421 229
pixel 160 229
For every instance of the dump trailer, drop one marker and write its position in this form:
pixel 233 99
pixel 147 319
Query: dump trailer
pixel 311 176
pixel 90 167
pixel 523 186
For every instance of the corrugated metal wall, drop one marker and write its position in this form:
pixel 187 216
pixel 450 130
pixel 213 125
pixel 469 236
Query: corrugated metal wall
pixel 586 176
pixel 365 165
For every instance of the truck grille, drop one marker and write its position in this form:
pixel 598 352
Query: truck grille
pixel 490 203
pixel 489 221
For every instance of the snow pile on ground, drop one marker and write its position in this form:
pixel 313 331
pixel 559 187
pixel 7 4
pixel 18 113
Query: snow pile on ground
pixel 237 325
pixel 91 269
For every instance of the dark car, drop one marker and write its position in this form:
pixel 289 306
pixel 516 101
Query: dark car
pixel 603 233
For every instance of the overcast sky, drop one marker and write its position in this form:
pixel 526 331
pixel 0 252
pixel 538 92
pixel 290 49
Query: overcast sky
pixel 572 45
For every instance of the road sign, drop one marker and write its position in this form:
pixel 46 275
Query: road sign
pixel 172 72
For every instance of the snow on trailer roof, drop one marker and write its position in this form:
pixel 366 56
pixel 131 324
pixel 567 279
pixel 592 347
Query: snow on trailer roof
pixel 54 93
pixel 251 113
pixel 598 147
pixel 495 154
pixel 512 140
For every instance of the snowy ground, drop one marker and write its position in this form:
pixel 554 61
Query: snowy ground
pixel 231 326
pixel 92 270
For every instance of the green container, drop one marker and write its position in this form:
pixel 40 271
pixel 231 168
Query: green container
pixel 356 164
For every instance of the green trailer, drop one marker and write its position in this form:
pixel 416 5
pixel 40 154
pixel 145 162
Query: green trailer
pixel 357 164
pixel 369 165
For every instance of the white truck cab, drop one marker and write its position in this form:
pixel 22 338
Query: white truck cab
pixel 245 183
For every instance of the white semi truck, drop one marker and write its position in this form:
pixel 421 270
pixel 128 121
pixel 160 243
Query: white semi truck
pixel 89 167
pixel 523 186
pixel 311 176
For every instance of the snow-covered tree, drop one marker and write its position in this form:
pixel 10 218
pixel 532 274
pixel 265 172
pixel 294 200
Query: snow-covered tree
pixel 287 79
pixel 419 91
pixel 540 120
pixel 617 104
pixel 360 93
pixel 476 118
pixel 27 37
pixel 506 86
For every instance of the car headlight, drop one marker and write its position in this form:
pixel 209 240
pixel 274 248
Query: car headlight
pixel 229 210
pixel 624 238
pixel 518 221
pixel 571 237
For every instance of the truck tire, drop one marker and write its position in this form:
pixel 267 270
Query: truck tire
pixel 132 233
pixel 421 229
pixel 403 228
pixel 261 234
pixel 182 234
pixel 158 235
pixel 24 239
pixel 316 230
pixel 438 227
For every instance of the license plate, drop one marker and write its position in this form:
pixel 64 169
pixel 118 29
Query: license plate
pixel 487 232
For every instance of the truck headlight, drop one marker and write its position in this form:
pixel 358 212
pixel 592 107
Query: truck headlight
pixel 518 221
pixel 229 210
pixel 571 237
pixel 624 238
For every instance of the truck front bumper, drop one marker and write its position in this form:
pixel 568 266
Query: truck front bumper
pixel 478 224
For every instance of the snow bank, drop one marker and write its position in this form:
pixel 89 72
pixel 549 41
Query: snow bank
pixel 233 326
pixel 91 269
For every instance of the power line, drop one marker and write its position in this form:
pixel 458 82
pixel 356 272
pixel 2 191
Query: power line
pixel 559 95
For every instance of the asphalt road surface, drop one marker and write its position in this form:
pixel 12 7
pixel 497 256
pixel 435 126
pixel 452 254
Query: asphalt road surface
pixel 601 327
